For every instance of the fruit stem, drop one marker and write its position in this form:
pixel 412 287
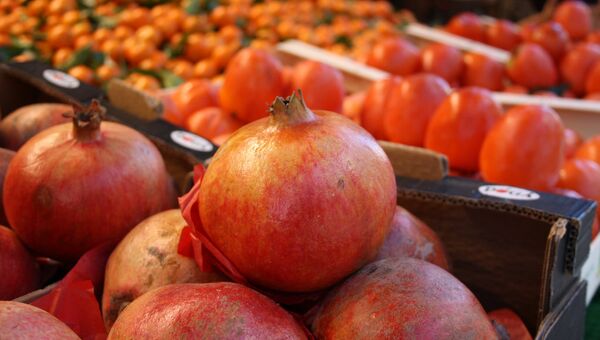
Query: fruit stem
pixel 86 121
pixel 291 110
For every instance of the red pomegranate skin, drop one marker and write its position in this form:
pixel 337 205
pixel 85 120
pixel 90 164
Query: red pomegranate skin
pixel 91 193
pixel 146 259
pixel 5 157
pixel 297 204
pixel 510 323
pixel 22 124
pixel 411 237
pixel 22 272
pixel 402 298
pixel 205 311
pixel 22 321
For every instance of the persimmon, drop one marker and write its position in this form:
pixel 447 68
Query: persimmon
pixel 572 141
pixel 442 60
pixel 353 106
pixel 482 71
pixel 593 37
pixel 395 55
pixel 194 95
pixel 410 107
pixel 211 122
pixel 524 148
pixel 592 81
pixel 503 34
pixel 552 37
pixel 467 25
pixel 460 124
pixel 590 149
pixel 532 67
pixel 577 64
pixel 196 48
pixel 205 69
pixel 253 79
pixel 575 17
pixel 375 106
pixel 592 96
pixel 582 176
pixel 322 85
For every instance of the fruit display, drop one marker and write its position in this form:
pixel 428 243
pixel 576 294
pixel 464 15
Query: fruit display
pixel 302 222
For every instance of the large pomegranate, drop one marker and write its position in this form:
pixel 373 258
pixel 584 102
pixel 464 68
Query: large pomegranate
pixel 402 298
pixel 5 157
pixel 24 123
pixel 411 237
pixel 146 259
pixel 22 321
pixel 298 200
pixel 205 311
pixel 23 273
pixel 77 185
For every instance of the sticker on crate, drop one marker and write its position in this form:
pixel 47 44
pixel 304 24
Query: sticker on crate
pixel 61 79
pixel 191 141
pixel 508 192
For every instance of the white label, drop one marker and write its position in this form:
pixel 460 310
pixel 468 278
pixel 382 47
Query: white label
pixel 191 141
pixel 508 192
pixel 61 79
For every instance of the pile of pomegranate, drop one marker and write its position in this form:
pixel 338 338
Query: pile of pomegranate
pixel 293 228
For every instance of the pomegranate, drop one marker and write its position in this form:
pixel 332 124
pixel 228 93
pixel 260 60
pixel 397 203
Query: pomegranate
pixel 208 311
pixel 22 321
pixel 146 259
pixel 298 200
pixel 78 185
pixel 509 325
pixel 5 157
pixel 411 237
pixel 402 298
pixel 24 123
pixel 15 260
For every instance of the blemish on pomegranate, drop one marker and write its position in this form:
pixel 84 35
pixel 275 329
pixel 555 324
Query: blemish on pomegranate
pixel 43 196
pixel 154 251
pixel 341 183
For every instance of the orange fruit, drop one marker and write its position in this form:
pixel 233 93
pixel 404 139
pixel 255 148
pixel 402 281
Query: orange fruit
pixel 590 149
pixel 81 28
pixel 205 69
pixel 149 34
pixel 71 17
pixel 230 33
pixel 411 105
pixel 395 55
pixel 575 17
pixel 61 56
pixel 122 32
pixel 182 68
pixel 85 40
pixel 83 73
pixel 135 17
pixel 147 83
pixel 60 36
pixel 222 54
pixel 113 48
pixel 532 67
pixel 61 6
pixel 525 148
pixel 138 51
pixel 167 27
pixel 196 48
pixel 460 125
pixel 107 72
pixel 102 34
pixel 467 25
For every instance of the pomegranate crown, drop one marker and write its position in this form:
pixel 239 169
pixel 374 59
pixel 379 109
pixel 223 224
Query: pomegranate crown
pixel 87 120
pixel 291 110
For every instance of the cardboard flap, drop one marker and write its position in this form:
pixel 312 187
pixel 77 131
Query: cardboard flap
pixel 567 321
pixel 125 97
pixel 418 163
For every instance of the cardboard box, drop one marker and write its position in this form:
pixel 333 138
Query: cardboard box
pixel 513 248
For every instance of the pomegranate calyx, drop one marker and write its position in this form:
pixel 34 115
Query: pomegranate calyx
pixel 87 120
pixel 291 110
